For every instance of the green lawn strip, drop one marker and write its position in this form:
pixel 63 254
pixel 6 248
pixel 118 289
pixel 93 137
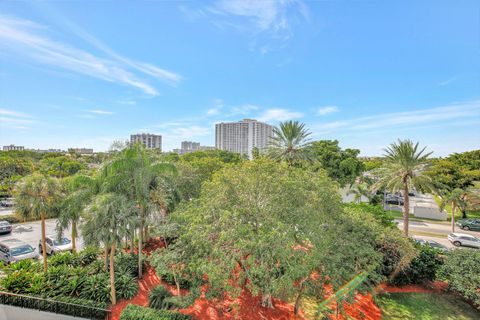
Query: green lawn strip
pixel 425 306
pixel 428 234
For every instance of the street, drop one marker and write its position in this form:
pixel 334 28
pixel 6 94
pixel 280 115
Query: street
pixel 31 232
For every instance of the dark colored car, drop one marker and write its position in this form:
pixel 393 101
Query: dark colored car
pixel 432 243
pixel 5 227
pixel 469 224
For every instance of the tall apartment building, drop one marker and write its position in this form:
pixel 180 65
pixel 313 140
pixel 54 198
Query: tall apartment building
pixel 81 150
pixel 150 141
pixel 13 147
pixel 242 136
pixel 190 146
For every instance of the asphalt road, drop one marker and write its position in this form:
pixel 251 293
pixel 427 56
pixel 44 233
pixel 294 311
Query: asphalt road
pixel 31 232
pixel 433 227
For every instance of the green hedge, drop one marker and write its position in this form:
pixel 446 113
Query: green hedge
pixel 134 312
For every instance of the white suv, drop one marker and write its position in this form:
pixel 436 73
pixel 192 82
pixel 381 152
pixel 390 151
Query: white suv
pixel 463 239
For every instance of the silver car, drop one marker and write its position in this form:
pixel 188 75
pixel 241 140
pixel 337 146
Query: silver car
pixel 55 244
pixel 13 250
pixel 463 239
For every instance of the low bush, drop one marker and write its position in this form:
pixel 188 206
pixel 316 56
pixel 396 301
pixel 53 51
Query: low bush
pixel 422 268
pixel 126 263
pixel 177 302
pixel 157 296
pixel 134 312
pixel 19 281
pixel 170 279
pixel 64 258
pixel 88 255
pixel 462 272
pixel 97 288
pixel 126 286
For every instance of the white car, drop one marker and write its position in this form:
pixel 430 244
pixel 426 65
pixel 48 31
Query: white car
pixel 55 244
pixel 13 250
pixel 463 239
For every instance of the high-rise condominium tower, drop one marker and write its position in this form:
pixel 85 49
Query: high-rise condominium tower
pixel 242 136
pixel 150 141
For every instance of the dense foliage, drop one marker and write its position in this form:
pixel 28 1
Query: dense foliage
pixel 461 271
pixel 133 312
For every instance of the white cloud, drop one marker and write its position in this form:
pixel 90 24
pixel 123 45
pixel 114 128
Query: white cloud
pixel 218 105
pixel 24 37
pixel 128 102
pixel 6 112
pixel 448 81
pixel 322 111
pixel 465 110
pixel 244 109
pixel 15 119
pixel 279 115
pixel 190 132
pixel 101 112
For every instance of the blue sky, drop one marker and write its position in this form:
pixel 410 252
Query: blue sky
pixel 85 73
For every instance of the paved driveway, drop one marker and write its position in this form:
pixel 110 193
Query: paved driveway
pixel 17 313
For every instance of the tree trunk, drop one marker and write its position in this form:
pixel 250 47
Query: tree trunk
pixel 267 301
pixel 106 257
pixel 132 246
pixel 113 292
pixel 453 216
pixel 298 300
pixel 406 206
pixel 464 214
pixel 74 235
pixel 140 242
pixel 44 245
pixel 176 283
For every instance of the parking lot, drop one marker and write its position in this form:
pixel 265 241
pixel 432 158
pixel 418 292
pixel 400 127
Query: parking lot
pixel 31 232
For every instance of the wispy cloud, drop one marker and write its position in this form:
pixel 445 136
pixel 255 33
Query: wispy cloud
pixel 12 113
pixel 128 102
pixel 217 106
pixel 322 111
pixel 465 110
pixel 244 109
pixel 15 120
pixel 29 39
pixel 448 81
pixel 279 115
pixel 100 112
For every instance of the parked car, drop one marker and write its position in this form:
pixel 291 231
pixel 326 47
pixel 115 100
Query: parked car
pixel 5 227
pixel 469 224
pixel 463 239
pixel 55 244
pixel 13 250
pixel 394 199
pixel 7 203
pixel 432 243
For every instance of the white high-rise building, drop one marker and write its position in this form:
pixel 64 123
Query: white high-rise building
pixel 242 136
pixel 150 141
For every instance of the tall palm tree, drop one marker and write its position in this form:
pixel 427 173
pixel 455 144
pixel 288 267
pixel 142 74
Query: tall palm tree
pixel 36 196
pixel 107 220
pixel 290 142
pixel 456 199
pixel 135 174
pixel 403 171
pixel 79 191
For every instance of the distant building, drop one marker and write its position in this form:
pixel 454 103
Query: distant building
pixel 48 150
pixel 190 146
pixel 242 136
pixel 81 150
pixel 13 147
pixel 150 141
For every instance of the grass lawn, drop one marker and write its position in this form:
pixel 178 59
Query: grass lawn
pixel 425 306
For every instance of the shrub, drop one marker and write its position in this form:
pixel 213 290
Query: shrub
pixel 126 286
pixel 462 272
pixel 177 302
pixel 64 258
pixel 97 288
pixel 18 281
pixel 126 263
pixel 134 312
pixel 422 268
pixel 156 297
pixel 88 255
pixel 82 302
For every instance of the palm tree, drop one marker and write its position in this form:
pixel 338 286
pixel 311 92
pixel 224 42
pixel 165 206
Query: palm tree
pixel 360 190
pixel 107 220
pixel 290 142
pixel 403 171
pixel 456 199
pixel 79 190
pixel 36 196
pixel 134 174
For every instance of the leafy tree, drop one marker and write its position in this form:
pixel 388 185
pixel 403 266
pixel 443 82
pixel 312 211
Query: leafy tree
pixel 289 142
pixel 264 225
pixel 341 165
pixel 134 174
pixel 222 155
pixel 403 170
pixel 79 191
pixel 36 195
pixel 461 272
pixel 109 216
pixel 60 166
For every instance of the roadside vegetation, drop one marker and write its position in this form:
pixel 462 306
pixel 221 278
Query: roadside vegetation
pixel 274 227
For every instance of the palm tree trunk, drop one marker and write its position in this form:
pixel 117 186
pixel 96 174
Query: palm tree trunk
pixel 74 235
pixel 454 207
pixel 175 278
pixel 106 257
pixel 140 242
pixel 406 207
pixel 267 300
pixel 44 245
pixel 113 292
